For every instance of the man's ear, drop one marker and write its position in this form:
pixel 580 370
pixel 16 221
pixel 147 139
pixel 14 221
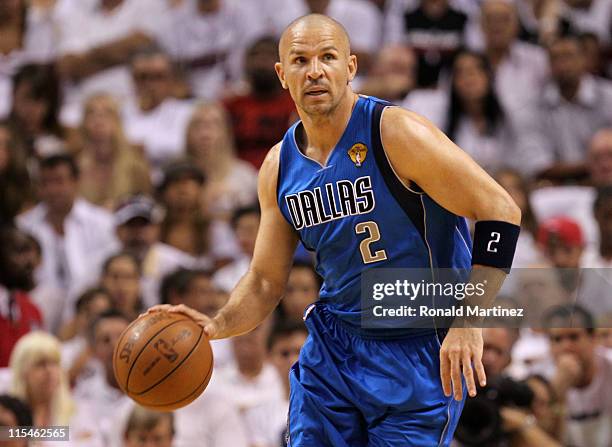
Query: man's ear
pixel 352 67
pixel 281 74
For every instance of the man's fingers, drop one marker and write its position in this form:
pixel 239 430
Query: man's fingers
pixel 468 373
pixel 480 371
pixel 445 373
pixel 456 375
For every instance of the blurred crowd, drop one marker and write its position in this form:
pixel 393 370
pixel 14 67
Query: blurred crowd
pixel 131 133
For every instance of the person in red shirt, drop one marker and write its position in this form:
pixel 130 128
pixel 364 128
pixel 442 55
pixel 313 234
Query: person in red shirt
pixel 261 116
pixel 18 314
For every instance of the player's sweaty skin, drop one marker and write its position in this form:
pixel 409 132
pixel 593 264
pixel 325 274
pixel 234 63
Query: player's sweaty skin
pixel 316 67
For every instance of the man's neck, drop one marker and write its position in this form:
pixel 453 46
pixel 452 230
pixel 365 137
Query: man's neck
pixel 109 5
pixel 569 91
pixel 57 217
pixel 590 371
pixel 324 131
pixel 148 104
pixel 252 371
pixel 496 55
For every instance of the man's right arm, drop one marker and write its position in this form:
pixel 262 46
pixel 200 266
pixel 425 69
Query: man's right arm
pixel 262 287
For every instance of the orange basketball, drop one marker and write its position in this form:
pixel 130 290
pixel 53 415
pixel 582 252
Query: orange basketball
pixel 163 361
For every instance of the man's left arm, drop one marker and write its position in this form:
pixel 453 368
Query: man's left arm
pixel 421 153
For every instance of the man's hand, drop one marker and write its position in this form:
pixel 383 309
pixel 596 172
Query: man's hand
pixel 211 325
pixel 461 348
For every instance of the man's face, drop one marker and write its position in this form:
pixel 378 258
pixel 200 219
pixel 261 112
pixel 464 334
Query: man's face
pixel 138 235
pixel 259 66
pixel 158 436
pixel 19 263
pixel 496 352
pixel 106 336
pixel 285 352
pixel 246 232
pixel 574 341
pixel 316 67
pixel 250 348
pixel 153 78
pixel 563 255
pixel 202 296
pixel 599 158
pixel 30 111
pixel 567 63
pixel 58 188
pixel 499 24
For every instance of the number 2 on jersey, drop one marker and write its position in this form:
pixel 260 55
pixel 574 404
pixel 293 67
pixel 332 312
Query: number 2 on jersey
pixel 371 228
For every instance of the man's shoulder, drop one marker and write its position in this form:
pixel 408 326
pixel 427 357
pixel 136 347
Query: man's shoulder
pixel 86 210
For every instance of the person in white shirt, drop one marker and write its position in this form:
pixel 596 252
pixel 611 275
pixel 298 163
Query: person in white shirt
pixel 95 45
pixel 74 234
pixel 570 109
pixel 583 377
pixel 207 39
pixel 268 422
pixel 100 392
pixel 253 381
pixel 245 223
pixel 155 120
pixel 137 221
pixel 520 68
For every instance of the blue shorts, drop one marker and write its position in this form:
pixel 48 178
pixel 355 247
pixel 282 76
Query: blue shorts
pixel 349 391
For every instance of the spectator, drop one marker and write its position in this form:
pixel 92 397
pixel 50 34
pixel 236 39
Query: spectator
pixel 582 378
pixel 599 158
pixel 100 392
pixel 15 186
pixel 73 233
pixel 261 116
pixel 267 423
pixel 156 121
pixel 514 63
pixel 245 223
pixel 472 115
pixel 231 182
pixel 34 115
pixel 185 227
pixel 436 31
pixel 39 380
pixel 27 37
pixel 253 380
pixel 527 253
pixel 77 355
pixel 137 221
pixel 14 413
pixel 538 20
pixel 302 289
pixel 195 289
pixel 121 277
pixel 393 74
pixel 18 314
pixel 497 350
pixel 95 45
pixel 572 108
pixel 207 38
pixel 149 427
pixel 110 168
pixel 545 407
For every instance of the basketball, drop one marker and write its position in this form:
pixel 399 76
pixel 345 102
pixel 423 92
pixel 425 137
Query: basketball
pixel 163 361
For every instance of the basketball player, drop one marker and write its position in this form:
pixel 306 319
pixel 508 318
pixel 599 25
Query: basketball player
pixel 366 185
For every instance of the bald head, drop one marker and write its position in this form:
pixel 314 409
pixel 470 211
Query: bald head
pixel 314 25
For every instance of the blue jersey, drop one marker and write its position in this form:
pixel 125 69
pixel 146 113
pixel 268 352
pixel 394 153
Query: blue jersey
pixel 356 214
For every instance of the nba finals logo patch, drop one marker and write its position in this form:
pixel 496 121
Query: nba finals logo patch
pixel 358 153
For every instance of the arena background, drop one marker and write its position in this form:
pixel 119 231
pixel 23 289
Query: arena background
pixel 131 133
